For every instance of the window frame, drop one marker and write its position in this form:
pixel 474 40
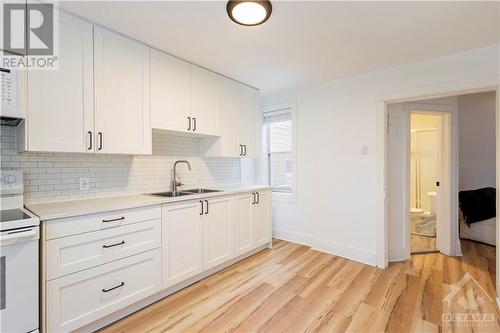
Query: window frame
pixel 276 109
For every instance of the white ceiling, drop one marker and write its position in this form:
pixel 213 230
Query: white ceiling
pixel 303 42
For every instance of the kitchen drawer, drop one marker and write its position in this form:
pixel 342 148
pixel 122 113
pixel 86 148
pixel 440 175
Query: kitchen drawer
pixel 75 253
pixel 85 223
pixel 79 299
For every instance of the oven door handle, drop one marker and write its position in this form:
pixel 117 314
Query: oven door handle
pixel 15 235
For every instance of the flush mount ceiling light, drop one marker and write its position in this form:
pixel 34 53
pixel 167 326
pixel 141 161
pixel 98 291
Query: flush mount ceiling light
pixel 249 13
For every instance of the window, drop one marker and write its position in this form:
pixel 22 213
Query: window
pixel 279 142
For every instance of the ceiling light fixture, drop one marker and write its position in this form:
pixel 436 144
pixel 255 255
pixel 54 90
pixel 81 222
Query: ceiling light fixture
pixel 249 13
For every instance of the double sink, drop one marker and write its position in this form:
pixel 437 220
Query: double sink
pixel 171 194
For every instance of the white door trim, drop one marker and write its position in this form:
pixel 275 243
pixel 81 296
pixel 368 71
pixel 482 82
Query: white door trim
pixel 498 196
pixel 487 83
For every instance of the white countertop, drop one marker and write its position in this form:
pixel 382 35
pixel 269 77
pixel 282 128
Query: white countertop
pixel 64 209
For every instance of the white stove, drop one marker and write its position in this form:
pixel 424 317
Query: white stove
pixel 19 236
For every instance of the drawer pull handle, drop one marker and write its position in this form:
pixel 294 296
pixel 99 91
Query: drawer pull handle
pixel 115 287
pixel 113 245
pixel 113 220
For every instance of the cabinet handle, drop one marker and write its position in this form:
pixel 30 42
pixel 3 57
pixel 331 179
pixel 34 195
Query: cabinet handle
pixel 201 213
pixel 253 203
pixel 206 210
pixel 258 197
pixel 113 220
pixel 113 245
pixel 113 288
pixel 90 140
pixel 100 140
pixel 194 124
pixel 189 123
pixel 241 150
pixel 245 147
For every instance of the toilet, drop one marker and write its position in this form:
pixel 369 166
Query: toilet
pixel 433 200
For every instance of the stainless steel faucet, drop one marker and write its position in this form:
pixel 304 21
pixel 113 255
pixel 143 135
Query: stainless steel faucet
pixel 175 183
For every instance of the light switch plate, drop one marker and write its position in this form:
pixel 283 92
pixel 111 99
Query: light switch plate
pixel 84 184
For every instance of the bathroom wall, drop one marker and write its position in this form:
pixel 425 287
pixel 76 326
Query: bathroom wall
pixel 477 140
pixel 55 176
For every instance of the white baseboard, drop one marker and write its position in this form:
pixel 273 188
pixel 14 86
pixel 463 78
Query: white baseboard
pixel 294 237
pixel 347 252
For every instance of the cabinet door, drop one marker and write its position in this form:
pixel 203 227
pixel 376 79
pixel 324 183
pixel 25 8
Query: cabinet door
pixel 248 121
pixel 122 108
pixel 170 85
pixel 243 223
pixel 60 102
pixel 262 218
pixel 182 237
pixel 218 231
pixel 227 144
pixel 205 100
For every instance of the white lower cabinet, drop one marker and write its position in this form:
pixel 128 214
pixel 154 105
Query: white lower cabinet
pixel 218 231
pixel 182 241
pixel 98 264
pixel 81 298
pixel 262 215
pixel 253 219
pixel 243 224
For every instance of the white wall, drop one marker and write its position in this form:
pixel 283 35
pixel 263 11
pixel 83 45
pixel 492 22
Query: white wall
pixel 477 140
pixel 340 192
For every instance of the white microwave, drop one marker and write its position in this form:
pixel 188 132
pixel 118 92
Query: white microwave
pixel 11 110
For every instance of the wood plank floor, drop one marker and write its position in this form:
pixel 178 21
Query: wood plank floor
pixel 292 288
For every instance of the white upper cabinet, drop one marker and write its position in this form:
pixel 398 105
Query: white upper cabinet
pixel 248 121
pixel 237 122
pixel 205 100
pixel 227 145
pixel 170 90
pixel 122 96
pixel 60 102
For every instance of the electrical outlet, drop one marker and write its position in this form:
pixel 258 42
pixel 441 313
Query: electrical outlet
pixel 84 184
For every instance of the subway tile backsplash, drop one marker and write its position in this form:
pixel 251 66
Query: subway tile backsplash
pixel 56 176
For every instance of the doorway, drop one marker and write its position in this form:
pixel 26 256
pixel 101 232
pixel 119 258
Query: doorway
pixel 422 157
pixel 425 150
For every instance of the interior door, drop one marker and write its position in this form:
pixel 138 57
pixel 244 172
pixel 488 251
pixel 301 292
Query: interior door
pixel 205 100
pixel 398 182
pixel 170 86
pixel 182 239
pixel 243 223
pixel 218 231
pixel 60 102
pixel 122 101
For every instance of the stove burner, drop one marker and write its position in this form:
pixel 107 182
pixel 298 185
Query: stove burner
pixel 13 215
